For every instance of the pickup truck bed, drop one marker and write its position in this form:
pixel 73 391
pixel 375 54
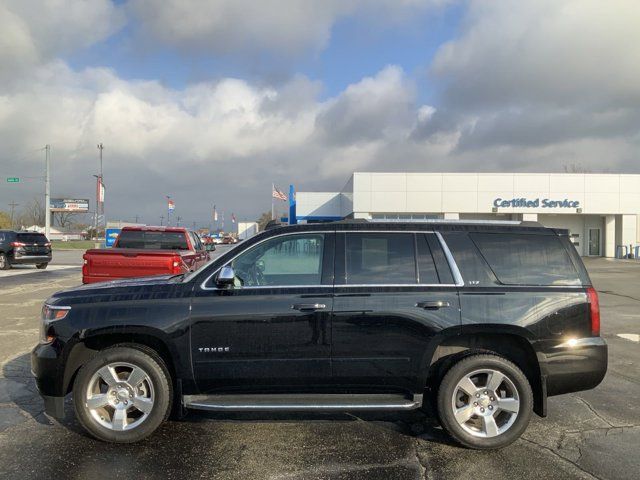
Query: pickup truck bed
pixel 101 265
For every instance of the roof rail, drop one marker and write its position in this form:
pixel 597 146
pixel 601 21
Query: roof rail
pixel 463 222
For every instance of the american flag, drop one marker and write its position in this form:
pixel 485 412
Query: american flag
pixel 278 194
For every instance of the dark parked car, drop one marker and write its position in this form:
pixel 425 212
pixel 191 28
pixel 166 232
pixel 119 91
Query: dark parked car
pixel 24 248
pixel 481 322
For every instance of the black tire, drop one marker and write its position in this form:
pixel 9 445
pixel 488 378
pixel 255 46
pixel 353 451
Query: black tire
pixel 139 356
pixel 5 264
pixel 448 388
pixel 41 266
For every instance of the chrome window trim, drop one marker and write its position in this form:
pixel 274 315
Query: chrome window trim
pixel 457 276
pixel 459 282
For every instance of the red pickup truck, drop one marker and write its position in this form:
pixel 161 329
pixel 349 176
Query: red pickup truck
pixel 143 251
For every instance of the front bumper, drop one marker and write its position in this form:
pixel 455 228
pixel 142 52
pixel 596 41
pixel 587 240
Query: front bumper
pixel 46 366
pixel 574 365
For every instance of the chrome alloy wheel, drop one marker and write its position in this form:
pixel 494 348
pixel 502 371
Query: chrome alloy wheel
pixel 120 396
pixel 485 403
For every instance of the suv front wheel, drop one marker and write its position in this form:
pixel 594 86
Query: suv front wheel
pixel 5 264
pixel 123 394
pixel 485 402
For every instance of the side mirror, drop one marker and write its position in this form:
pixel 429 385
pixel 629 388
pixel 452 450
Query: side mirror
pixel 226 277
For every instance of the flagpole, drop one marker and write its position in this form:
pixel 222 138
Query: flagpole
pixel 273 189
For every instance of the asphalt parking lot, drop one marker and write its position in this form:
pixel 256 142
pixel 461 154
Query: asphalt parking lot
pixel 594 434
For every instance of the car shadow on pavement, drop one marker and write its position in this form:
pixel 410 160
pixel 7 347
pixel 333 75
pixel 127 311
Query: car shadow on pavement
pixel 18 390
pixel 416 423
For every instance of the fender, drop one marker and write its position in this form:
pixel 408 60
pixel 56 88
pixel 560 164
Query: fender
pixel 510 341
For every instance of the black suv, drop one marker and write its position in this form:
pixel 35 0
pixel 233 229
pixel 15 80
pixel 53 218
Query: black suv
pixel 24 248
pixel 481 321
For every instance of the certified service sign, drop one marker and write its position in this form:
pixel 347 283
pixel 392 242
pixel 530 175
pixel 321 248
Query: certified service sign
pixel 535 203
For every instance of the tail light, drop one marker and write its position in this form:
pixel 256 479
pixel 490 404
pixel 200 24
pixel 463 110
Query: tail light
pixel 594 310
pixel 177 265
pixel 18 244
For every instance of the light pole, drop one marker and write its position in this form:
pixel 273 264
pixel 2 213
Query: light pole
pixel 13 205
pixel 47 192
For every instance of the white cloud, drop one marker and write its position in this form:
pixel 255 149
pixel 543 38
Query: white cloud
pixel 375 108
pixel 528 85
pixel 35 32
pixel 206 140
pixel 284 27
pixel 551 51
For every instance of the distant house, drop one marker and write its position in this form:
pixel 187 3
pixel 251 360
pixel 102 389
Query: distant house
pixel 55 234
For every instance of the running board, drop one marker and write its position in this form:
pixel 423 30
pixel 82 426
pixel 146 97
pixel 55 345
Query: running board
pixel 302 402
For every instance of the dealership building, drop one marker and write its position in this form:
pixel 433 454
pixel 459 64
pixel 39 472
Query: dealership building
pixel 601 211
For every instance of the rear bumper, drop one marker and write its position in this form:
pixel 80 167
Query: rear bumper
pixel 29 259
pixel 94 279
pixel 575 365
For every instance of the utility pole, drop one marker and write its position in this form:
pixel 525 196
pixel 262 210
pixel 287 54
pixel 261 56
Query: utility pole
pixel 47 192
pixel 178 218
pixel 13 205
pixel 194 225
pixel 136 218
pixel 161 219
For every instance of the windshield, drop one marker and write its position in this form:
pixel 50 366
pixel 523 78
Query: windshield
pixel 150 240
pixel 31 238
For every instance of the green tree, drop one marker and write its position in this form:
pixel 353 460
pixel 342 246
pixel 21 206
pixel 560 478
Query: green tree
pixel 5 220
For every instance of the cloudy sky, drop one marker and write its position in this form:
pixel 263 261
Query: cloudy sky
pixel 210 101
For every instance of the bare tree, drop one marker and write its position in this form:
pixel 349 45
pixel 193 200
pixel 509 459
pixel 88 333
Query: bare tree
pixel 32 214
pixel 63 219
pixel 263 220
pixel 575 168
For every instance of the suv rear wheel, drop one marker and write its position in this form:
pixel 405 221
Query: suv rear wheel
pixel 123 394
pixel 485 402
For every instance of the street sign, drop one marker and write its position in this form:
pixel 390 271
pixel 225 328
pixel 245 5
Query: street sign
pixel 13 179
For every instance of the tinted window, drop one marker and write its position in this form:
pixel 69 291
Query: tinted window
pixel 472 266
pixel 31 238
pixel 520 259
pixel 152 240
pixel 195 240
pixel 427 272
pixel 286 260
pixel 380 258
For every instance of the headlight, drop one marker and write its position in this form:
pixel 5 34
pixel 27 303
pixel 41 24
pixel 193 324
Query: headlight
pixel 51 314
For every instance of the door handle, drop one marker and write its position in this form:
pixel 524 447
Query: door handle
pixel 308 306
pixel 435 305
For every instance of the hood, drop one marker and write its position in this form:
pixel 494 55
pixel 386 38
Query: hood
pixel 123 282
